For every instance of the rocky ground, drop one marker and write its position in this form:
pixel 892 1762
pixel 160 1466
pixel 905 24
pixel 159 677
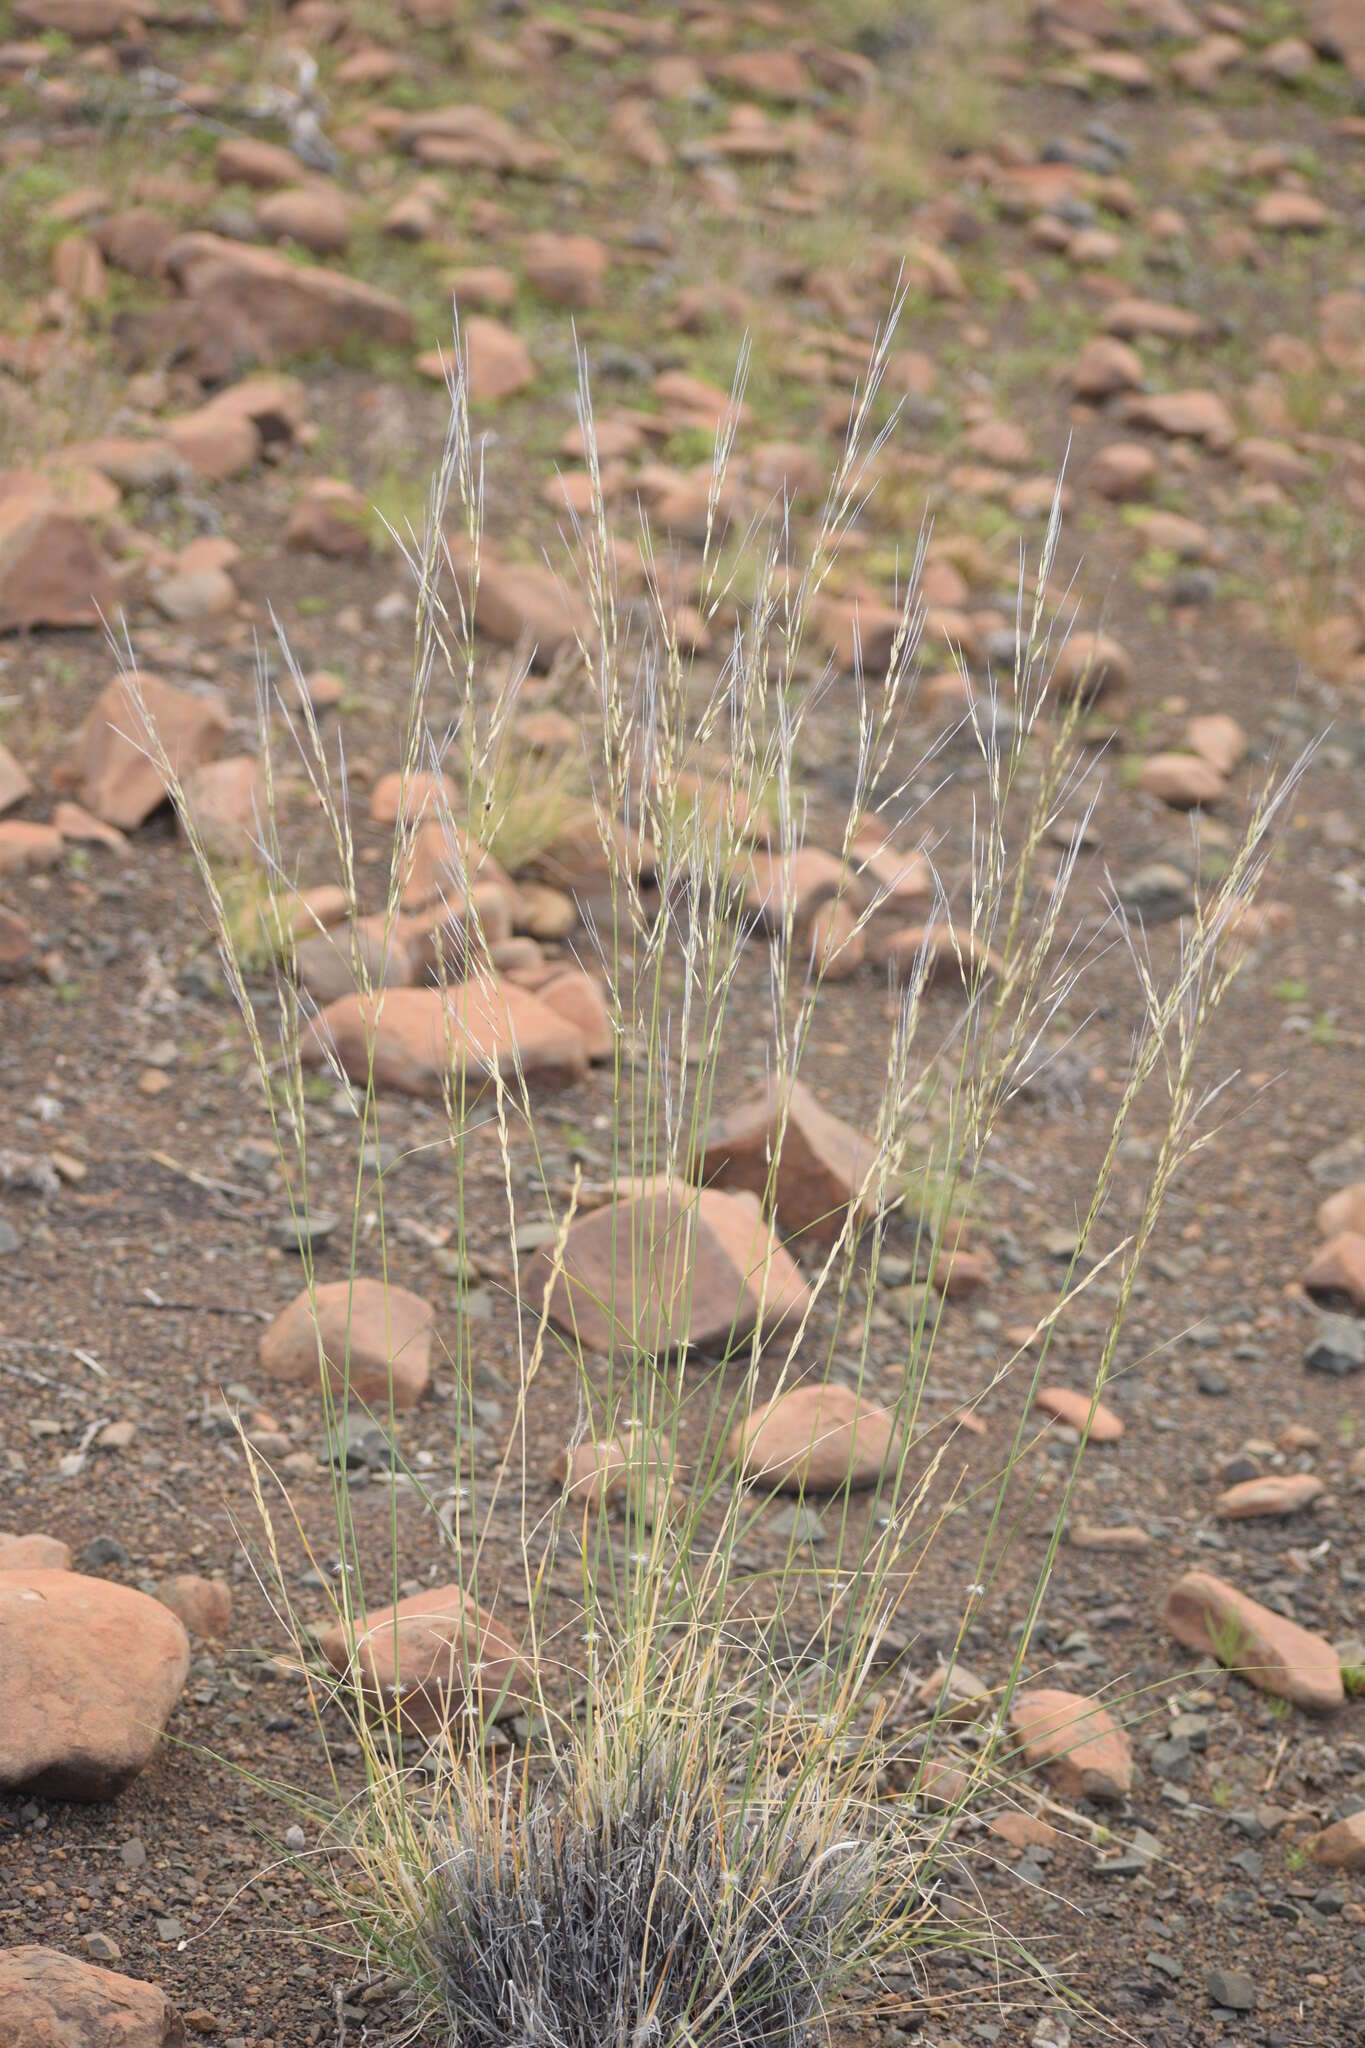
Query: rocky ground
pixel 1131 236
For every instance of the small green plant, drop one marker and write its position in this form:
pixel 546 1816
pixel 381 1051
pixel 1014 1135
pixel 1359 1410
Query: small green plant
pixel 1227 1640
pixel 1353 1679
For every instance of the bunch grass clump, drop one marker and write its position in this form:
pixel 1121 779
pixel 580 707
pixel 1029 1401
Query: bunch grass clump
pixel 646 1907
pixel 728 1799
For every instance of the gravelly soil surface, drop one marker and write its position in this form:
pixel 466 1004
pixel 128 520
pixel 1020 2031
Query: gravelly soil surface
pixel 1034 175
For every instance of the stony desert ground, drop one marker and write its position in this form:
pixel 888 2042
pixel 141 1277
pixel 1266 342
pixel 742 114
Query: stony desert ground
pixel 1129 235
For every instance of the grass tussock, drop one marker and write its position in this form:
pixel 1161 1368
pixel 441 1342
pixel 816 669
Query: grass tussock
pixel 644 1908
pixel 730 1794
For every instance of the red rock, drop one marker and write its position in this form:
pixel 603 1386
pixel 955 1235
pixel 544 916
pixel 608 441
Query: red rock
pixel 33 1553
pixel 330 518
pixel 1094 663
pixel 245 160
pixel 1341 323
pixel 942 584
pixel 815 1439
pixel 837 945
pixel 461 935
pixel 1185 415
pixel 1123 471
pixel 711 1266
pixel 1268 461
pixel 1287 211
pixel 1166 224
pixel 774 74
pixel 203 1605
pixel 189 595
pixel 898 881
pixel 1217 739
pixel 78 269
pixel 579 998
pixel 568 270
pixel 1171 531
pixel 421 1033
pixel 52 573
pixel 1121 67
pixel 998 441
pixel 226 803
pixel 1211 1618
pixel 1200 69
pixel 416 795
pixel 445 862
pixel 1275 1493
pixel 820 1168
pixel 472 137
pixel 1072 1408
pixel 49 2000
pixel 433 1658
pixel 544 912
pixel 520 602
pixel 62 485
pixel 26 849
pixel 89 1672
pixel 958 1272
pixel 16 941
pixel 1135 318
pixel 595 1474
pixel 1105 366
pixel 911 372
pixel 1022 1830
pixel 314 216
pixel 1339 32
pixel 15 782
pixel 946 957
pixel 276 406
pixel 953 1692
pixel 74 823
pixel 152 464
pixel 484 285
pixel 1339 1268
pixel 323 690
pixel 753 138
pixel 416 217
pixel 382 1335
pixel 111 774
pixel 1075 1740
pixel 676 77
pixel 276 306
pixel 214 443
pixel 1343 1211
pixel 1342 1846
pixel 372 953
pixel 1121 1536
pixel 633 129
pixel 138 240
pixel 500 364
pixel 371 66
pixel 85 21
pixel 1185 781
pixel 701 404
pixel 801 882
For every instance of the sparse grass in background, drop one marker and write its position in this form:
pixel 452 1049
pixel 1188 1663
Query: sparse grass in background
pixel 713 1821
